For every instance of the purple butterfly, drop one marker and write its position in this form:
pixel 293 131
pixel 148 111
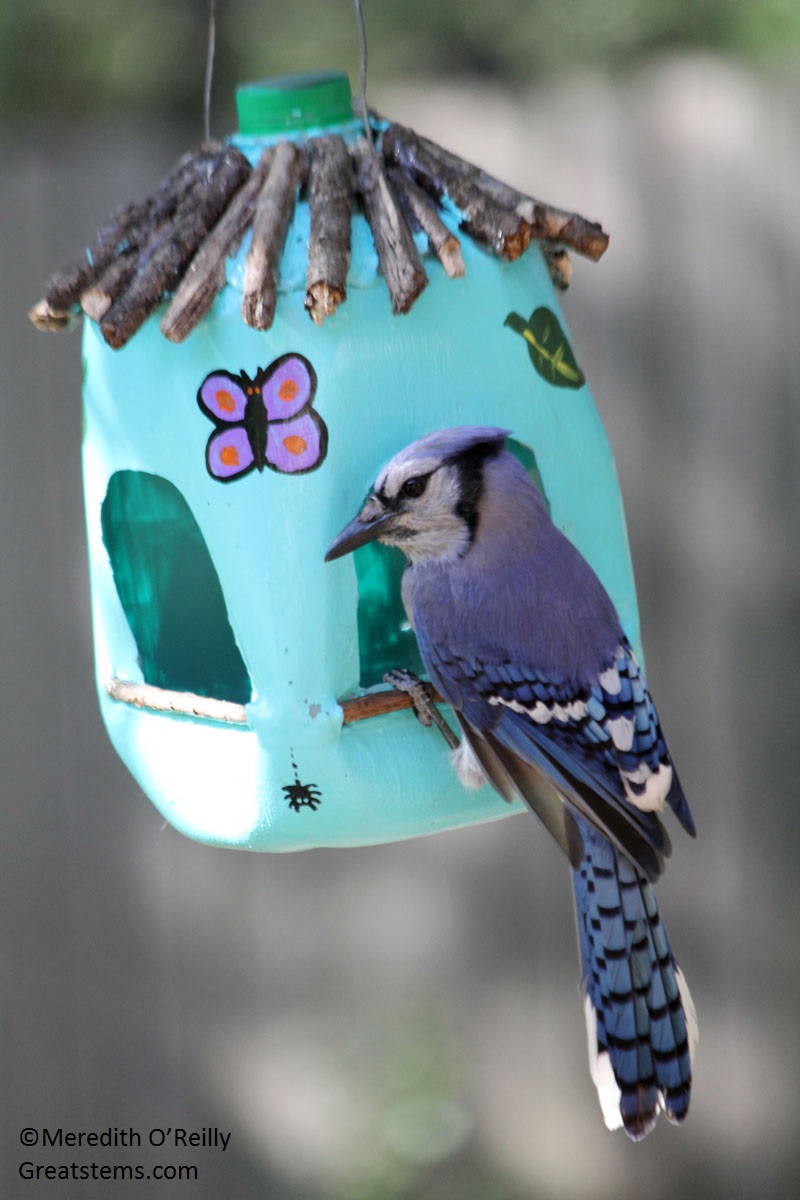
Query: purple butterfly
pixel 262 422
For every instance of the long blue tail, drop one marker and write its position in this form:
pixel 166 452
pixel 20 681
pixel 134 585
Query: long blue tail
pixel 639 1013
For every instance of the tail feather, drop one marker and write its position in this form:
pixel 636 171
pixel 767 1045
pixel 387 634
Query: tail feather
pixel 640 1018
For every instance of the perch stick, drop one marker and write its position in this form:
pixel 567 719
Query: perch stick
pixel 188 704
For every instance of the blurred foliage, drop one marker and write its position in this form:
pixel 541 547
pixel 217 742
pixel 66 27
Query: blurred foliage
pixel 73 57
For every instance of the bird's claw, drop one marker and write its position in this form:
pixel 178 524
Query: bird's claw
pixel 421 696
pixel 406 681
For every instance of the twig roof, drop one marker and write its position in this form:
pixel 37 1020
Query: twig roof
pixel 174 243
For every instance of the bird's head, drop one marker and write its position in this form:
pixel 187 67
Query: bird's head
pixel 426 499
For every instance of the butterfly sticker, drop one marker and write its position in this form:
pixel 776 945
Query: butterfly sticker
pixel 266 421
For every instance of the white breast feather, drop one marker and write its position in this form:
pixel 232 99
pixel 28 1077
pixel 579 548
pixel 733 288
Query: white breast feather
pixel 467 767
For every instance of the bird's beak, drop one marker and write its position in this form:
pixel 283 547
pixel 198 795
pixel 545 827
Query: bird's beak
pixel 366 527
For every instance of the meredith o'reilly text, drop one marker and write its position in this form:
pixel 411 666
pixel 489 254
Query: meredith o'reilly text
pixel 208 1137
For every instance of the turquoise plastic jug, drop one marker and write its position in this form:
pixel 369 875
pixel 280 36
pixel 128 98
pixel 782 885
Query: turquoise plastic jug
pixel 206 535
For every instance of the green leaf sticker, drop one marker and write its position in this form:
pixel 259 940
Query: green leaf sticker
pixel 550 351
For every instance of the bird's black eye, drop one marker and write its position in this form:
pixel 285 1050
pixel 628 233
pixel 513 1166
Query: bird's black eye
pixel 414 486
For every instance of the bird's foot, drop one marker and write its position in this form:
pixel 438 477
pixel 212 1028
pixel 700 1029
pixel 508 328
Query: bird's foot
pixel 406 681
pixel 421 695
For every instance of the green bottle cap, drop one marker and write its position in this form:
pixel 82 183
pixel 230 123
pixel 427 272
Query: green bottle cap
pixel 293 102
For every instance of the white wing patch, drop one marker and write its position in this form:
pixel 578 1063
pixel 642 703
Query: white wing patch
pixel 653 785
pixel 656 786
pixel 621 730
pixel 543 713
pixel 609 680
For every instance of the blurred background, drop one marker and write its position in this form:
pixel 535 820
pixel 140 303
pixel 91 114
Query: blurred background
pixel 404 1021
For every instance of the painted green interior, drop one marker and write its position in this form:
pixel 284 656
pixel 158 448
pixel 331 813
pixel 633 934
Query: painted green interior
pixel 169 589
pixel 528 460
pixel 385 638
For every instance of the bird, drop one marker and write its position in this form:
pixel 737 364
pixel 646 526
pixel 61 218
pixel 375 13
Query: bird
pixel 522 640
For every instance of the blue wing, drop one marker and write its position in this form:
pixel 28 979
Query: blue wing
pixel 598 741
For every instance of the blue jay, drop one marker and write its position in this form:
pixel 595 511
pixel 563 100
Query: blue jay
pixel 523 642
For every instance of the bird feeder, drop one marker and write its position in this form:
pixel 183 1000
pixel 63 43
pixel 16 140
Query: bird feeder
pixel 284 313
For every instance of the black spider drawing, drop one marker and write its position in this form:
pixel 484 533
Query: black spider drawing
pixel 302 795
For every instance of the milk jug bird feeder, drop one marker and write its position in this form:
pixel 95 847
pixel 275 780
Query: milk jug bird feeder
pixel 281 315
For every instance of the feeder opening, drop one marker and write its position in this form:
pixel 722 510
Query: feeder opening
pixel 385 637
pixel 169 590
pixel 528 460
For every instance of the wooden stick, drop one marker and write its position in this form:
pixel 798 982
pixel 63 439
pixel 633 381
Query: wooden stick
pixel 184 704
pixel 205 276
pixel 273 213
pixel 189 704
pixel 330 200
pixel 129 226
pixel 571 229
pixel 423 700
pixel 585 237
pixel 558 264
pixel 192 170
pixel 98 298
pixel 158 211
pixel 65 287
pixel 377 704
pixel 421 213
pixel 52 320
pixel 502 230
pixel 166 254
pixel 174 194
pixel 398 256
